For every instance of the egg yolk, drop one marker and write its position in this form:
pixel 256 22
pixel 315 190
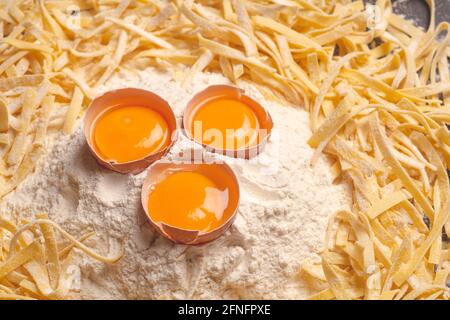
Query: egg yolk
pixel 188 200
pixel 226 124
pixel 130 133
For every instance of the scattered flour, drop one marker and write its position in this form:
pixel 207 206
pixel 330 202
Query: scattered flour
pixel 284 209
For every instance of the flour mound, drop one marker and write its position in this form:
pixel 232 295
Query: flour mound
pixel 285 205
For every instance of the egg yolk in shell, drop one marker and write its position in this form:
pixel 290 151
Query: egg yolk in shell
pixel 226 124
pixel 128 133
pixel 188 200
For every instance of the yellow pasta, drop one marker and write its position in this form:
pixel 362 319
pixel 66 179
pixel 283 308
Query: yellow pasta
pixel 379 108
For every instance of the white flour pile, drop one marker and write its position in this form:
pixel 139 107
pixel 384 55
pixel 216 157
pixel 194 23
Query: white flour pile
pixel 281 219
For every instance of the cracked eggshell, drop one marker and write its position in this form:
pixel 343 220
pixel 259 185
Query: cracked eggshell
pixel 126 97
pixel 159 170
pixel 229 92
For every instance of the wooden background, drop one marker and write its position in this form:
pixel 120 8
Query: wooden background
pixel 418 10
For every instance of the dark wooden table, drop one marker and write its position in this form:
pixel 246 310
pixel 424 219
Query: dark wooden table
pixel 418 10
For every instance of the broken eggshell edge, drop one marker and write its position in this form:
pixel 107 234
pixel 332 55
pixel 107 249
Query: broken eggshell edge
pixel 182 236
pixel 231 92
pixel 126 97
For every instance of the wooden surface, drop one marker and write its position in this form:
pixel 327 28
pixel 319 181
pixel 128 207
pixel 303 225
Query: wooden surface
pixel 417 10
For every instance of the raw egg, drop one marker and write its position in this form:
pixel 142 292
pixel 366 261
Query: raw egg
pixel 188 200
pixel 129 129
pixel 190 203
pixel 129 133
pixel 226 123
pixel 223 119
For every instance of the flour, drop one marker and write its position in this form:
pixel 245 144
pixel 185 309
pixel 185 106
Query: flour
pixel 285 205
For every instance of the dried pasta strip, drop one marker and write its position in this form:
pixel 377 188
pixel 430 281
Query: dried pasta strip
pixel 334 35
pixel 358 159
pixel 146 35
pixel 66 250
pixel 162 16
pixel 242 15
pixel 415 216
pixel 250 48
pixel 22 67
pixel 267 45
pixel 335 281
pixel 386 203
pixel 442 177
pixel 46 111
pixel 293 36
pixel 74 110
pixel 388 295
pixel 30 288
pixel 441 277
pixel 330 127
pixel 313 67
pixel 24 45
pixel 442 188
pixel 2 243
pixel 89 92
pixel 76 242
pixel 399 256
pixel 228 11
pixel 293 66
pixel 313 270
pixel 17 259
pixel 405 25
pixel 418 292
pixel 4 116
pixel 40 276
pixel 22 81
pixel 326 294
pixel 365 239
pixel 25 168
pixel 373 286
pixel 14 278
pixel 231 53
pixel 18 149
pixel 30 103
pixel 414 150
pixel 117 58
pixel 5 289
pixel 405 272
pixel 386 149
pixel 244 21
pixel 91 54
pixel 10 227
pixel 204 24
pixel 53 265
pixel 67 276
pixel 326 84
pixel 358 77
pixel 9 296
pixel 56 28
pixel 12 60
pixel 276 84
pixel 428 90
pixel 203 61
pixel 61 61
pixel 227 68
pixel 17 30
pixel 238 70
pixel 165 53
